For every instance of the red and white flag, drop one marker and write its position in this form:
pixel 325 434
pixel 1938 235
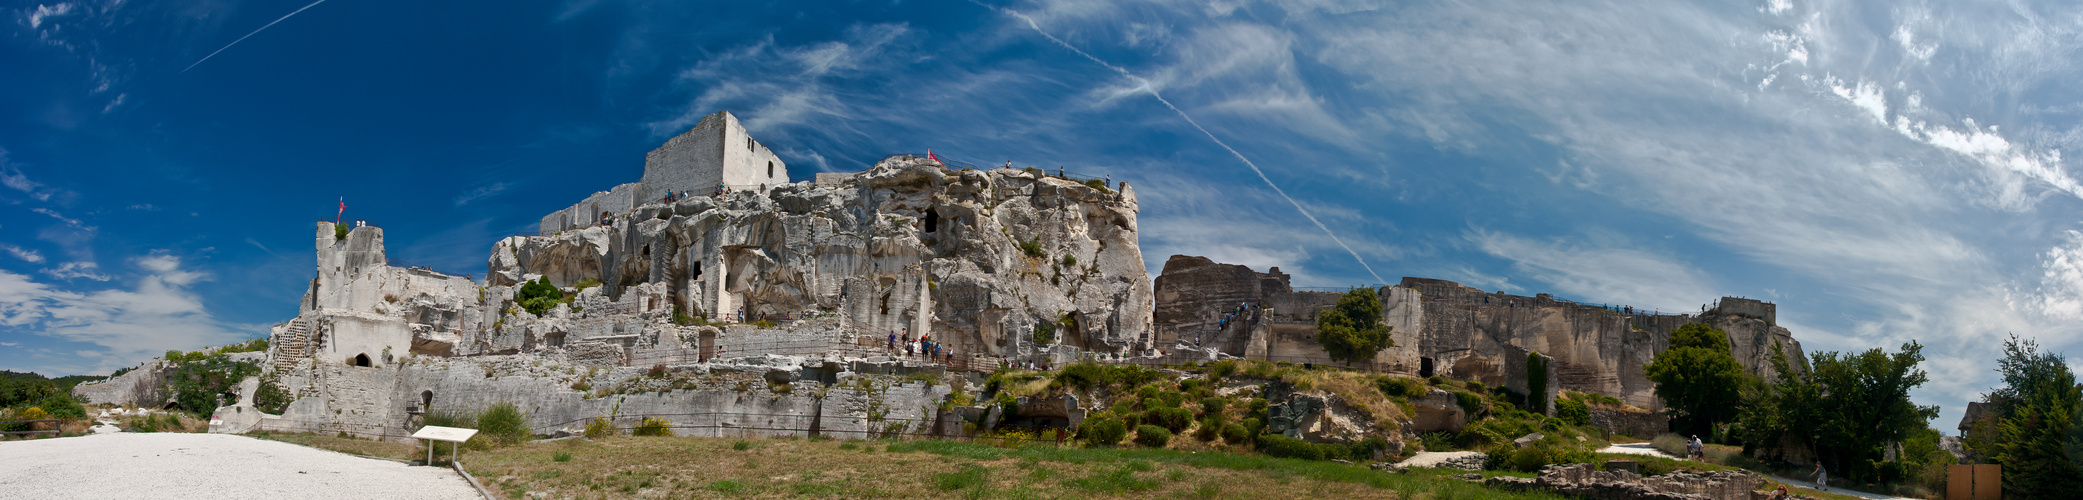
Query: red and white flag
pixel 343 210
pixel 929 156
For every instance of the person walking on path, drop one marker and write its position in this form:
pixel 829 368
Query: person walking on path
pixel 893 341
pixel 1822 477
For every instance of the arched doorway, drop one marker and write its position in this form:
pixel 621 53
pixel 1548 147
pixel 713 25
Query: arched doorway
pixel 1424 367
pixel 426 400
pixel 359 360
pixel 932 220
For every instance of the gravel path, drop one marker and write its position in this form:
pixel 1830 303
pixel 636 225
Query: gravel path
pixel 1434 458
pixel 171 465
pixel 1637 449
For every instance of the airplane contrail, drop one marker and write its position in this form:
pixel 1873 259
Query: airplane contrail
pixel 1144 85
pixel 250 35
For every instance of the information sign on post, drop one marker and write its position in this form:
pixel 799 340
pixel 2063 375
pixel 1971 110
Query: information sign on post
pixel 454 435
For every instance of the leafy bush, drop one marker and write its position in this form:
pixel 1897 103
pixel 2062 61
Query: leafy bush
pixel 1400 387
pixel 1475 385
pixel 1099 184
pixel 271 397
pixel 1070 261
pixel 1103 430
pixel 600 427
pixel 1153 436
pixel 200 386
pixel 1032 247
pixel 1045 333
pixel 340 232
pixel 1573 411
pixel 652 426
pixel 539 296
pixel 1172 419
pixel 1235 432
pixel 504 423
pixel 1436 380
pixel 1213 405
pixel 1469 403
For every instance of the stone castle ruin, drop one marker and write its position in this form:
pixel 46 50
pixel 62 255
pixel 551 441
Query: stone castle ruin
pixel 732 302
pixel 1444 328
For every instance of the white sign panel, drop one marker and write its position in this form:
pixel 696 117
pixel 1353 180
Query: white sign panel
pixel 439 433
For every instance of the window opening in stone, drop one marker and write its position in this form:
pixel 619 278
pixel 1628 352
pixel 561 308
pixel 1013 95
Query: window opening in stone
pixel 1424 367
pixel 932 220
pixel 426 400
pixel 697 269
pixel 770 169
pixel 360 360
pixel 886 302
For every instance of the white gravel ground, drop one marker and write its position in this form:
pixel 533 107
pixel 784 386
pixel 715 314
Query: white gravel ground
pixel 170 465
pixel 1433 458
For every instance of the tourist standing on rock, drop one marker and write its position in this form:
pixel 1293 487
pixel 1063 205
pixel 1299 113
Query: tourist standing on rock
pixel 893 341
pixel 1822 477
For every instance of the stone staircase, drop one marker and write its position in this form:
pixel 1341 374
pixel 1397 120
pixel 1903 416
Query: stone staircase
pixel 294 346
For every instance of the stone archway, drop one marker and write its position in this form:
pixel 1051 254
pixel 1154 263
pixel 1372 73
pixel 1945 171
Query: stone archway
pixel 359 360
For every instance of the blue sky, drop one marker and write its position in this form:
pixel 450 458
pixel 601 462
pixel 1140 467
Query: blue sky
pixel 1885 171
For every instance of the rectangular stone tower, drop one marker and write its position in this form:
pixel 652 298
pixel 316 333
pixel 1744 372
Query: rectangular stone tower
pixel 716 152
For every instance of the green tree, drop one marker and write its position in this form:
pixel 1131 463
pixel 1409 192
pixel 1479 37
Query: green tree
pixel 1867 406
pixel 1352 330
pixel 1846 408
pixel 539 296
pixel 1698 380
pixel 2036 413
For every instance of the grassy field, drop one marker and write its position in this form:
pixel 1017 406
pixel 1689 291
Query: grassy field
pixel 636 467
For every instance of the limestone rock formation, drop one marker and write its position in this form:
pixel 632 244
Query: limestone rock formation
pixel 1443 328
pixel 1436 411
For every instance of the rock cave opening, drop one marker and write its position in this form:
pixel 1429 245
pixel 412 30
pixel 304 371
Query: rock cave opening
pixel 932 220
pixel 359 360
pixel 1424 367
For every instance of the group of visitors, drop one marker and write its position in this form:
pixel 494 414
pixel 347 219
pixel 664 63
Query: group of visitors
pixel 923 347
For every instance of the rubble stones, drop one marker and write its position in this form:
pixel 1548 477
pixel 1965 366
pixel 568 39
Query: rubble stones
pixel 1581 481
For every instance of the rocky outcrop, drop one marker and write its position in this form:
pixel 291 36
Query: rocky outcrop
pixel 974 259
pixel 1437 411
pixel 1582 481
pixel 143 386
pixel 1638 423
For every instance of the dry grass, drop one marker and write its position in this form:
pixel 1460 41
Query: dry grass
pixel 631 467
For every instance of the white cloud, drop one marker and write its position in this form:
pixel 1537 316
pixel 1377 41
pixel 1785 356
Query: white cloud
pixel 61 217
pixel 157 313
pixel 1777 7
pixel 22 253
pixel 37 16
pixel 479 192
pixel 71 270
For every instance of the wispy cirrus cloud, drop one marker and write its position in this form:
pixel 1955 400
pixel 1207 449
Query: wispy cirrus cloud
pixel 479 192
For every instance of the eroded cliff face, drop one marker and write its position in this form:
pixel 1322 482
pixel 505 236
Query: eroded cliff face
pixel 975 259
pixel 1441 327
pixel 1471 334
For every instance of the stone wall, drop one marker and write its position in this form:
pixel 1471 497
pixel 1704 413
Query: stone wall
pixel 1637 423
